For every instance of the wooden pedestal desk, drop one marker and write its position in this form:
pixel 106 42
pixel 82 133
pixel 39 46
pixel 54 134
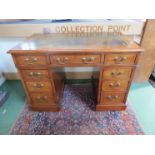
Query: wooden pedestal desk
pixel 40 58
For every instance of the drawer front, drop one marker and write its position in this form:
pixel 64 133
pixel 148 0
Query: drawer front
pixel 117 73
pixel 39 86
pixel 112 98
pixel 41 99
pixel 30 60
pixel 119 85
pixel 75 59
pixel 125 59
pixel 35 74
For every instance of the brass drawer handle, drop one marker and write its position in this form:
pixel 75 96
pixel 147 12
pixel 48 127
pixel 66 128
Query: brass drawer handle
pixel 42 98
pixel 34 74
pixel 84 60
pixel 30 61
pixel 37 85
pixel 65 60
pixel 119 59
pixel 114 85
pixel 91 58
pixel 115 73
pixel 112 97
pixel 88 60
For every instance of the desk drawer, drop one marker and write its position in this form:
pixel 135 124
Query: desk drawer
pixel 124 59
pixel 30 60
pixel 39 86
pixel 112 98
pixel 113 85
pixel 117 73
pixel 61 60
pixel 35 74
pixel 41 99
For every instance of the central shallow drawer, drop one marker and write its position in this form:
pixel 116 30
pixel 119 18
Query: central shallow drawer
pixel 38 86
pixel 61 60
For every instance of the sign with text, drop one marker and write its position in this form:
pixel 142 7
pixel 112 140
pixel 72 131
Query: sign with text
pixel 119 29
pixel 123 27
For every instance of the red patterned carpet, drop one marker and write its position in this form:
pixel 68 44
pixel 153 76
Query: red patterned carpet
pixel 77 117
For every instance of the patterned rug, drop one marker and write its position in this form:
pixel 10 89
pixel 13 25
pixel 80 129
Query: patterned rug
pixel 77 117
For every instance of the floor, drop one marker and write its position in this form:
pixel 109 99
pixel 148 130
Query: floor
pixel 141 96
pixel 10 110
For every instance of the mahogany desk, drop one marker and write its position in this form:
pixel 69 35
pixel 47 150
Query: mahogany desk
pixel 40 57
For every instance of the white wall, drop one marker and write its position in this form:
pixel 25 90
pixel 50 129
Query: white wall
pixel 22 30
pixel 6 62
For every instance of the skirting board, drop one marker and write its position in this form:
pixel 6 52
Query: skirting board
pixel 11 76
pixel 2 80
